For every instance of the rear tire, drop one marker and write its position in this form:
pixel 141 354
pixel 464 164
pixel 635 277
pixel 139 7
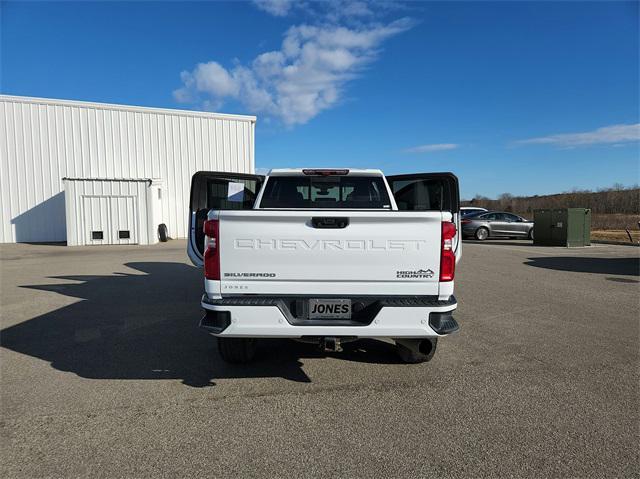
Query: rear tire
pixel 163 233
pixel 530 235
pixel 482 233
pixel 237 350
pixel 410 356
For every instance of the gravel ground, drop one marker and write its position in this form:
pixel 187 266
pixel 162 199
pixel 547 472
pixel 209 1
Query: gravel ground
pixel 105 374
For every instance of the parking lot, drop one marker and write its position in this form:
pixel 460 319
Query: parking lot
pixel 105 374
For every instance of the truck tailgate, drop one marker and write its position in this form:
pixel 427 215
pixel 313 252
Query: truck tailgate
pixel 283 253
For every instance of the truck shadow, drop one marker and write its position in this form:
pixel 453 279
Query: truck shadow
pixel 145 326
pixel 629 266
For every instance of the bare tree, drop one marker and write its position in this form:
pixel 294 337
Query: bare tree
pixel 613 207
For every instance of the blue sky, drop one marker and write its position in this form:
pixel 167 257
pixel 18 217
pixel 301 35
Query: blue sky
pixel 519 97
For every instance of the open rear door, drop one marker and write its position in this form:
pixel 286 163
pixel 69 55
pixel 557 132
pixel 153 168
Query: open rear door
pixel 212 190
pixel 429 192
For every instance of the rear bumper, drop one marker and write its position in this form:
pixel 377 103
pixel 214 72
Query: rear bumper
pixel 269 318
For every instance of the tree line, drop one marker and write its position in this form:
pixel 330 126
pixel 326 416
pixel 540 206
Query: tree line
pixel 615 200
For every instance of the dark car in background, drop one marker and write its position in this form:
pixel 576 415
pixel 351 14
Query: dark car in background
pixel 495 224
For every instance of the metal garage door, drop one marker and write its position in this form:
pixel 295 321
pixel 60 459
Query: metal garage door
pixel 110 220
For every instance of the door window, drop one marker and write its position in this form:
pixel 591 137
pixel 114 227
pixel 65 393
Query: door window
pixel 426 192
pixel 219 191
pixel 419 194
pixel 231 194
pixel 510 218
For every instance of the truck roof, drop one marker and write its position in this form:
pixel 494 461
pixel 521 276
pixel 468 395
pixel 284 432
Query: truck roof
pixel 299 171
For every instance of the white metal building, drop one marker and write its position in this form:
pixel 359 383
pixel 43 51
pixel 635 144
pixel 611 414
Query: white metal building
pixel 126 169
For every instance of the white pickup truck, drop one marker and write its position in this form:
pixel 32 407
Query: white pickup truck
pixel 326 256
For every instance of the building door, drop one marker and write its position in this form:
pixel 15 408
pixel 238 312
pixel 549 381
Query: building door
pixel 95 210
pixel 110 220
pixel 124 220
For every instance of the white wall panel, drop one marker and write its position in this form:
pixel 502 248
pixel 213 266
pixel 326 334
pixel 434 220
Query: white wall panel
pixel 43 141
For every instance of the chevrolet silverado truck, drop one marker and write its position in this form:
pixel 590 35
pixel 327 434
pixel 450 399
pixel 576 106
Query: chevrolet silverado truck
pixel 326 256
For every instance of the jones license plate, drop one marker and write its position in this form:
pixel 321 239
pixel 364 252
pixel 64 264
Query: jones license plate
pixel 329 308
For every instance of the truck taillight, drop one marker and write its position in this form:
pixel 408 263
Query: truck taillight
pixel 447 256
pixel 211 230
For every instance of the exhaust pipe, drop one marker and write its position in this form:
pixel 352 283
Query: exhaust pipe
pixel 425 347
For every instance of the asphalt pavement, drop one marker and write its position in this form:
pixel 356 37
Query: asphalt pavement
pixel 104 373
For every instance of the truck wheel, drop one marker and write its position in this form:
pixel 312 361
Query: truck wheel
pixel 237 350
pixel 425 352
pixel 482 233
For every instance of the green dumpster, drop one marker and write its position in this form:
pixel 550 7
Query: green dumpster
pixel 562 227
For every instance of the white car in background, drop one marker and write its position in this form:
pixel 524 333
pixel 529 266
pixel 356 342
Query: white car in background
pixel 467 210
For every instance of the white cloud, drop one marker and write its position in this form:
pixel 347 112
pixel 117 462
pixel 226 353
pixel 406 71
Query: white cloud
pixel 277 8
pixel 615 134
pixel 331 10
pixel 306 76
pixel 360 9
pixel 212 78
pixel 431 148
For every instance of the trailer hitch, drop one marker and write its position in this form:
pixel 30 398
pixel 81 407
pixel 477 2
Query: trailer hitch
pixel 330 344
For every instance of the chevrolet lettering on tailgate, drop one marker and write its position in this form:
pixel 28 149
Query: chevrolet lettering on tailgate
pixel 330 244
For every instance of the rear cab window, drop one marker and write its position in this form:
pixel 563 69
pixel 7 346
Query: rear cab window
pixel 318 192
